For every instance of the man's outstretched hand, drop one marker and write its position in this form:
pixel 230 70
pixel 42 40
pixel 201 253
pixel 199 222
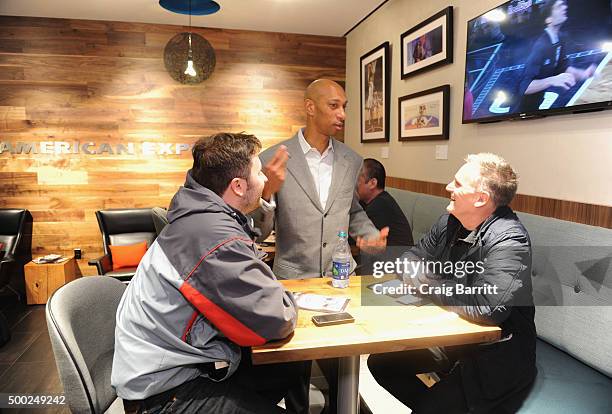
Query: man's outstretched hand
pixel 275 171
pixel 375 245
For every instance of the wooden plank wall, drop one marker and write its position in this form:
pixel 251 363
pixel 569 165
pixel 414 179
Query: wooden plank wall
pixel 105 82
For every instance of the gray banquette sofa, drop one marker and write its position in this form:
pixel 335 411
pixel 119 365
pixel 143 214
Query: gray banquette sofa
pixel 572 288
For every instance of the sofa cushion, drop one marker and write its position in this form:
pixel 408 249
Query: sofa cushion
pixel 427 210
pixel 124 239
pixel 572 287
pixel 565 385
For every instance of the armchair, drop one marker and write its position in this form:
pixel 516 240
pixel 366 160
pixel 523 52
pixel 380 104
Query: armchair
pixel 16 251
pixel 121 227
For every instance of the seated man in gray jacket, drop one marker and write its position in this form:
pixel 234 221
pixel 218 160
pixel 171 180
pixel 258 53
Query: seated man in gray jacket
pixel 202 296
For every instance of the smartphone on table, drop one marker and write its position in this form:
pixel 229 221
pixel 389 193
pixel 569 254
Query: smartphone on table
pixel 332 319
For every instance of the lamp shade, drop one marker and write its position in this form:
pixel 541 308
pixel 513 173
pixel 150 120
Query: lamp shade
pixel 198 7
pixel 176 57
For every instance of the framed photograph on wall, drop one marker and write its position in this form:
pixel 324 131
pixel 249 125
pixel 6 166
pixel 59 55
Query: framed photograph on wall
pixel 428 45
pixel 424 115
pixel 375 91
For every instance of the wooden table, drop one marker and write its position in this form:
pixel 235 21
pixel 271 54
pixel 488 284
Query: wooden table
pixel 45 278
pixel 376 329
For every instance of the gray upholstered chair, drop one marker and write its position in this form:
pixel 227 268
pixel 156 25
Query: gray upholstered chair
pixel 122 227
pixel 83 341
pixel 160 218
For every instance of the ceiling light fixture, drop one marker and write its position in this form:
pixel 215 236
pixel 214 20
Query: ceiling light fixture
pixel 189 58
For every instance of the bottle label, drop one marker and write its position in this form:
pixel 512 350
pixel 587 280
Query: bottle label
pixel 341 270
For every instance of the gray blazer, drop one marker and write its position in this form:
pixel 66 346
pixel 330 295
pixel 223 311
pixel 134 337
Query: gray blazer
pixel 306 232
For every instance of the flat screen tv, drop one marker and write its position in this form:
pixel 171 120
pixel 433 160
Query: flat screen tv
pixel 531 58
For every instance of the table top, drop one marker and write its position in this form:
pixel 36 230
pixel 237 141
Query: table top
pixel 376 329
pixel 61 262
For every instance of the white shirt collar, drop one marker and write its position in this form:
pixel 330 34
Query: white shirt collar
pixel 306 146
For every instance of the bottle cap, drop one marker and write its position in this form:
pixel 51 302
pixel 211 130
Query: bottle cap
pixel 341 233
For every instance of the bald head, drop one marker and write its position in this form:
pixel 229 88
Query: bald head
pixel 324 102
pixel 320 88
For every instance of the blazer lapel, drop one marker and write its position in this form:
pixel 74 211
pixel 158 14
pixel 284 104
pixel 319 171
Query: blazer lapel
pixel 298 167
pixel 339 172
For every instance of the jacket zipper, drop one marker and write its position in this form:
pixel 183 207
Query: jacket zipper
pixel 187 333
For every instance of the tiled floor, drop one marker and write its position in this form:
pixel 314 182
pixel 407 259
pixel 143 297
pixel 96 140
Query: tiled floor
pixel 27 365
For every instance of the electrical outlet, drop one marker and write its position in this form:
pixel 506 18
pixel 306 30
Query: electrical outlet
pixel 441 152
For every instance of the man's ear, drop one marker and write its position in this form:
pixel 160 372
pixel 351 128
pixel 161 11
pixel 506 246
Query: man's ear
pixel 238 187
pixel 310 106
pixel 483 198
pixel 373 183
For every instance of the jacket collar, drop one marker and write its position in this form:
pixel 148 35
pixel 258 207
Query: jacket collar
pixel 475 237
pixel 195 198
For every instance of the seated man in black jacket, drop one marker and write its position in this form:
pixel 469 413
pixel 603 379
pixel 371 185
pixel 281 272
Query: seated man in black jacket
pixel 475 261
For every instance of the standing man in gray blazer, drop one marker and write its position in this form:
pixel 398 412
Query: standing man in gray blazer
pixel 313 198
pixel 309 197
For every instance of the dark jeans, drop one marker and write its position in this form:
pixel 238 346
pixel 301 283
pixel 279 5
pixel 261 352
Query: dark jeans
pixel 396 372
pixel 251 389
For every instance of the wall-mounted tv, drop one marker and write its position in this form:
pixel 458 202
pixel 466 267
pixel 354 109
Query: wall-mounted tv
pixel 531 58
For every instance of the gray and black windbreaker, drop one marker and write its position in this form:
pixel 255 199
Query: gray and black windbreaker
pixel 200 293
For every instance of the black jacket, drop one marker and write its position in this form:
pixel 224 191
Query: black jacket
pixel 491 372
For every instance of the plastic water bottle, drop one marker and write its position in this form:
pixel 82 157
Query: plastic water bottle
pixel 341 262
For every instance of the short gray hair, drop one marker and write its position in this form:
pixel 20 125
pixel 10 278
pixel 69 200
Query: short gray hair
pixel 497 176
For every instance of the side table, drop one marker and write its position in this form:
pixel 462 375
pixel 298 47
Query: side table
pixel 45 278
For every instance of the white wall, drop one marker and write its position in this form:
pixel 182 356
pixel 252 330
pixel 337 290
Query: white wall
pixel 567 157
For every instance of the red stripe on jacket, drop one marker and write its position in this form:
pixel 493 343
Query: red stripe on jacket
pixel 247 241
pixel 231 327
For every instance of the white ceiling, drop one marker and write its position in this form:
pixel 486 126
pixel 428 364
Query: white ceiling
pixel 320 17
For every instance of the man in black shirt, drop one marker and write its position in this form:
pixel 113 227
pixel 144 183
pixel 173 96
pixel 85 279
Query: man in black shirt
pixel 380 206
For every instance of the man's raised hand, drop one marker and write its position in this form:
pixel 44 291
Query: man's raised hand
pixel 275 171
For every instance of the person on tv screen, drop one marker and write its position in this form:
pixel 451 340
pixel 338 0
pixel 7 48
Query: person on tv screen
pixel 547 66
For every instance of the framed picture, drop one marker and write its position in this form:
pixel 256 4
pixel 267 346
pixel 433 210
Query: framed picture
pixel 428 45
pixel 424 115
pixel 375 94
